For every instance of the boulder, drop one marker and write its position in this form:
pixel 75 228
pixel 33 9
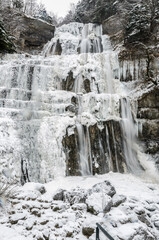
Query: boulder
pixel 75 196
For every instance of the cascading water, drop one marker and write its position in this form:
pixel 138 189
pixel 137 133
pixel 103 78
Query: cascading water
pixel 73 88
pixel 129 137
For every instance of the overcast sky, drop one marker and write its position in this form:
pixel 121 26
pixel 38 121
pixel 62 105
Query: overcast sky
pixel 60 7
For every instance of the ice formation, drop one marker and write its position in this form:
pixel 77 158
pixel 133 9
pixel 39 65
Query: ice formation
pixel 73 88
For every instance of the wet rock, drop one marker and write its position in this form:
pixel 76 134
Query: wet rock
pixel 102 154
pixel 70 144
pixel 69 82
pixel 58 48
pixel 88 231
pixel 86 84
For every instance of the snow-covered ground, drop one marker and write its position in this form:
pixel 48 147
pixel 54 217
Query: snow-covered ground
pixel 125 205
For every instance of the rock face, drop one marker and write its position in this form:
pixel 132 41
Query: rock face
pixel 140 25
pixel 95 11
pixel 6 45
pixel 104 148
pixel 67 113
pixel 30 34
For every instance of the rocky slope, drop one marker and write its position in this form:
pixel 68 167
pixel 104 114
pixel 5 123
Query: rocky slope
pixel 70 209
pixel 29 34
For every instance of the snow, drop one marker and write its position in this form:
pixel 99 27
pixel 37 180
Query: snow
pixel 40 214
pixel 7 233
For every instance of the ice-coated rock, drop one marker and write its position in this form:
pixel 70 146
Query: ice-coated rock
pixel 77 195
pixel 104 187
pixel 118 199
pixel 98 202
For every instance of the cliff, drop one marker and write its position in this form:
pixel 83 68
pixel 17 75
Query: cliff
pixel 133 27
pixel 127 20
pixel 30 34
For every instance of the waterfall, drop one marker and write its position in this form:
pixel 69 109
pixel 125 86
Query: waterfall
pixel 62 108
pixel 130 131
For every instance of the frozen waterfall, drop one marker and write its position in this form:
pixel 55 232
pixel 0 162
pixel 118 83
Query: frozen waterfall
pixel 65 112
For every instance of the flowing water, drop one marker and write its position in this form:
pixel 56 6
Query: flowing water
pixel 74 84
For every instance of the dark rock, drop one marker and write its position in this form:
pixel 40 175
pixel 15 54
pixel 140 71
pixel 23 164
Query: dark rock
pixel 30 34
pixel 95 11
pixel 112 25
pixel 44 222
pixel 6 44
pixel 36 212
pixel 69 234
pixel 100 147
pixel 70 144
pixel 150 130
pixel 58 49
pixel 17 217
pixel 103 152
pixel 88 231
pixel 59 195
pixel 68 83
pixel 152 147
pixel 86 84
pixel 72 108
pixel 149 100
